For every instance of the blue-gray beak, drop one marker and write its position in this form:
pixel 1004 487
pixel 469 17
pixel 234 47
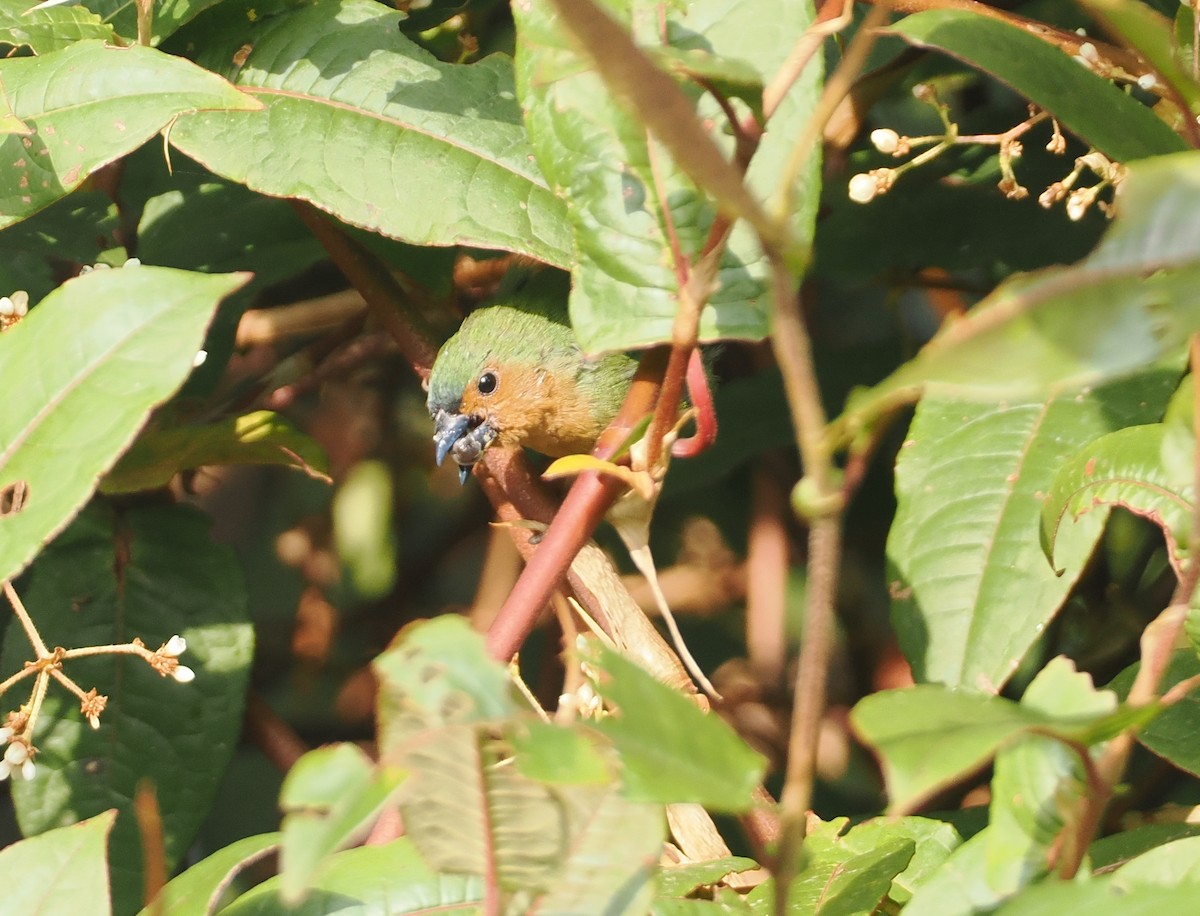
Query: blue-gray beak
pixel 463 438
pixel 448 429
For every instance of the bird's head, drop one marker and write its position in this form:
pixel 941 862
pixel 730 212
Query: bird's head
pixel 514 376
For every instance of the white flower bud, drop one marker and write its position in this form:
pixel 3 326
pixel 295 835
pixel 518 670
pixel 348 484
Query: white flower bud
pixel 199 359
pixel 184 674
pixel 16 753
pixel 94 722
pixel 1147 81
pixel 28 770
pixel 7 309
pixel 5 771
pixel 132 262
pixel 1088 52
pixel 885 140
pixel 6 735
pixel 175 646
pixel 863 188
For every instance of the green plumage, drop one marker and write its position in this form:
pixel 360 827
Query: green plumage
pixel 548 396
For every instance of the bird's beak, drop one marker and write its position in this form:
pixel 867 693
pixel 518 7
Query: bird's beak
pixel 462 437
pixel 448 428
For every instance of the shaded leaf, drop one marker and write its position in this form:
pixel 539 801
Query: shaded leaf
pixel 671 751
pixel 458 169
pixel 1087 105
pixel 99 352
pixel 49 875
pixel 1152 35
pixel 261 437
pixel 90 104
pixel 935 841
pixel 149 573
pixel 362 525
pixel 1172 733
pixel 329 799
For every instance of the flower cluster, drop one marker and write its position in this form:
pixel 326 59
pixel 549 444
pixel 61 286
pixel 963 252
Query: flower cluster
pixel 866 186
pixel 13 308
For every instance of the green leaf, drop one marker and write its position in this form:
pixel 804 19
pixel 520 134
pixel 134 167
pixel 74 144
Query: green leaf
pixel 89 105
pixel 1152 35
pixel 261 437
pixel 51 874
pixel 1101 898
pixel 620 185
pixel 189 226
pixel 362 527
pixel 148 573
pixel 1084 103
pixel 971 588
pixel 387 880
pixel 681 880
pixel 1119 848
pixel 189 894
pixel 560 755
pixel 671 751
pixel 935 841
pixel 929 737
pixel 1172 733
pixel 77 228
pixel 329 798
pixel 82 373
pixel 1126 306
pixel 46 30
pixel 836 878
pixel 168 16
pixel 439 673
pixel 1124 468
pixel 609 866
pixel 458 166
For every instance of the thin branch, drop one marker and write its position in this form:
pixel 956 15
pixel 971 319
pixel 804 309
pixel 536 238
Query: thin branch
pixel 35 638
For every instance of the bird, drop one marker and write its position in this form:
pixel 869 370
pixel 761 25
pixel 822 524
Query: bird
pixel 514 375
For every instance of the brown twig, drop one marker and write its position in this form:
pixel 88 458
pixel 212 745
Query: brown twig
pixel 378 287
pixel 273 736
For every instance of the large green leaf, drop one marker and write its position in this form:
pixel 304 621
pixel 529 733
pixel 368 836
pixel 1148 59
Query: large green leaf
pixel 50 29
pixel 82 373
pixel 670 751
pixel 971 587
pixel 928 737
pixel 1127 305
pixel 366 125
pixel 1100 113
pixel 150 573
pixel 52 874
pixel 388 880
pixel 620 185
pixel 90 104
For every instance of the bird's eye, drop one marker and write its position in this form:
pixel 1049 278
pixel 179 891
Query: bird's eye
pixel 487 383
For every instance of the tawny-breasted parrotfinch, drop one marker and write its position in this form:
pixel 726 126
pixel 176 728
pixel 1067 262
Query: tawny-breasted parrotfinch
pixel 514 375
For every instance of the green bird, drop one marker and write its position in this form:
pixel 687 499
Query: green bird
pixel 514 375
